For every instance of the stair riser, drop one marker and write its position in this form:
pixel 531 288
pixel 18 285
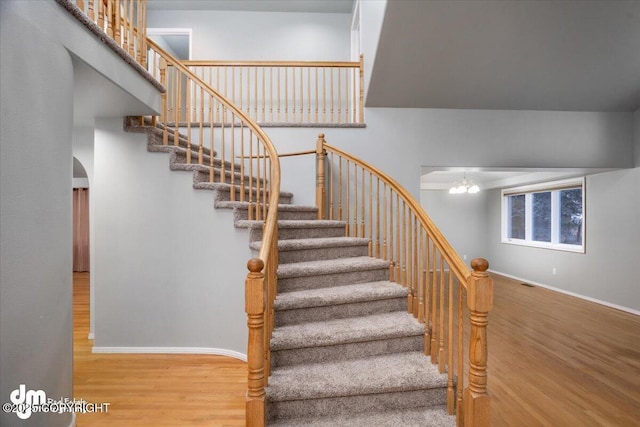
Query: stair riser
pixel 349 351
pixel 327 280
pixel 319 254
pixel 342 311
pixel 203 176
pixel 225 196
pixel 300 233
pixel 242 214
pixel 430 398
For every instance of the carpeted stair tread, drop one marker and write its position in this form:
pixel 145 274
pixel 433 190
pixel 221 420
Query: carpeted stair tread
pixel 219 186
pixel 293 224
pixel 332 266
pixel 323 242
pixel 398 372
pixel 433 417
pixel 350 330
pixel 338 295
pixel 285 207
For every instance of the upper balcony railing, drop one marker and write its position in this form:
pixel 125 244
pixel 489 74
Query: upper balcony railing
pixel 125 21
pixel 289 93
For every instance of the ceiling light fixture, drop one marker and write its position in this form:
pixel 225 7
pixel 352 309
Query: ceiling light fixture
pixel 464 186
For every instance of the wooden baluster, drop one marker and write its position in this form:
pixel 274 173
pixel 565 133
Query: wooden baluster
pixel 131 29
pixel 178 104
pixel 408 263
pixel 361 88
pixel 331 185
pixel 212 142
pixel 385 254
pixel 255 90
pixel 250 209
pixel 427 297
pixel 441 359
pixel 142 30
pixel 416 268
pixel 378 217
pixel 339 95
pixel 324 95
pixel 355 200
pixel 340 189
pixel 286 95
pixel 223 172
pixel 255 306
pixel 188 118
pixel 321 191
pixel 370 214
pixel 399 243
pixel 264 96
pixel 353 86
pixel 317 98
pixel 117 30
pixel 242 178
pixel 259 196
pixel 331 93
pixel 80 4
pixel 201 123
pixel 460 378
pixel 110 18
pixel 450 390
pixel 264 184
pixel 163 97
pixel 392 276
pixel 271 91
pixel 293 96
pixel 101 14
pixel 422 273
pixel 90 11
pixel 232 166
pixel 480 302
pixel 434 305
pixel 278 94
pixel 362 205
pixel 347 204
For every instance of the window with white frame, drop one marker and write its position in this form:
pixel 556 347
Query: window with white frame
pixel 548 215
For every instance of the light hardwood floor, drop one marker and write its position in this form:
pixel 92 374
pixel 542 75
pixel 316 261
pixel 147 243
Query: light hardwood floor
pixel 554 360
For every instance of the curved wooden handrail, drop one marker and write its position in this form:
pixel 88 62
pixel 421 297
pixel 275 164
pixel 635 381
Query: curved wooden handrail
pixel 274 173
pixel 454 261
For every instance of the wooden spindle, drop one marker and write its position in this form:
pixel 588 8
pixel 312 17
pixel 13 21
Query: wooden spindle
pixel 255 91
pixel 211 140
pixel 371 237
pixel 378 255
pixel 223 172
pixel 188 118
pixel 450 389
pixel 321 191
pixel 110 18
pixel 340 189
pixel 131 30
pixel 416 267
pixel 324 95
pixel 347 204
pixel 361 88
pixel 117 33
pixel 90 11
pixel 460 353
pixel 434 289
pixel 362 204
pixel 480 302
pixel 399 243
pixel 286 95
pixel 441 359
pixel 255 306
pixel 331 185
pixel 331 93
pixel 355 200
pixel 427 298
pixel 250 210
pixel 392 270
pixel 242 177
pixel 163 99
pixel 201 128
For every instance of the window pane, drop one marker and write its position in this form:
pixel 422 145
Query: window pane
pixel 516 217
pixel 542 217
pixel 571 216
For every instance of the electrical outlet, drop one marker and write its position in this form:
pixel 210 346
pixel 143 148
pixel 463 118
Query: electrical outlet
pixel 554 271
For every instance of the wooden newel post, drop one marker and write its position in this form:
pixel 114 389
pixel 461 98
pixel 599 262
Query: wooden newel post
pixel 321 191
pixel 254 302
pixel 480 301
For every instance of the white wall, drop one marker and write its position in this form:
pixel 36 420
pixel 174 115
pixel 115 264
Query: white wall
pixel 169 267
pixel 35 207
pixel 230 35
pixel 637 137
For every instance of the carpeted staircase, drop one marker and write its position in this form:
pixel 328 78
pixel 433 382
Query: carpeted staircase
pixel 344 350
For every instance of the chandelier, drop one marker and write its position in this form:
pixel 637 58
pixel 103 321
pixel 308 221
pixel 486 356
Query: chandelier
pixel 464 186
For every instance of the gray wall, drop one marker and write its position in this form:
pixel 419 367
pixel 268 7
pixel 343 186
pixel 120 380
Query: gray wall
pixel 608 270
pixel 461 218
pixel 230 35
pixel 637 137
pixel 35 206
pixel 169 267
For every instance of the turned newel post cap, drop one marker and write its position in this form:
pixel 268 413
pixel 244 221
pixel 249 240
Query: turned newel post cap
pixel 479 264
pixel 321 136
pixel 255 265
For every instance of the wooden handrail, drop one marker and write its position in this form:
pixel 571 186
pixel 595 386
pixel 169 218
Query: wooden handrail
pixel 377 207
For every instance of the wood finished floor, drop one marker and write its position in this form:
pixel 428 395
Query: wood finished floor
pixel 554 360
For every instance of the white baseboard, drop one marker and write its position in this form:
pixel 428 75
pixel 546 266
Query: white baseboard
pixel 573 294
pixel 173 350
